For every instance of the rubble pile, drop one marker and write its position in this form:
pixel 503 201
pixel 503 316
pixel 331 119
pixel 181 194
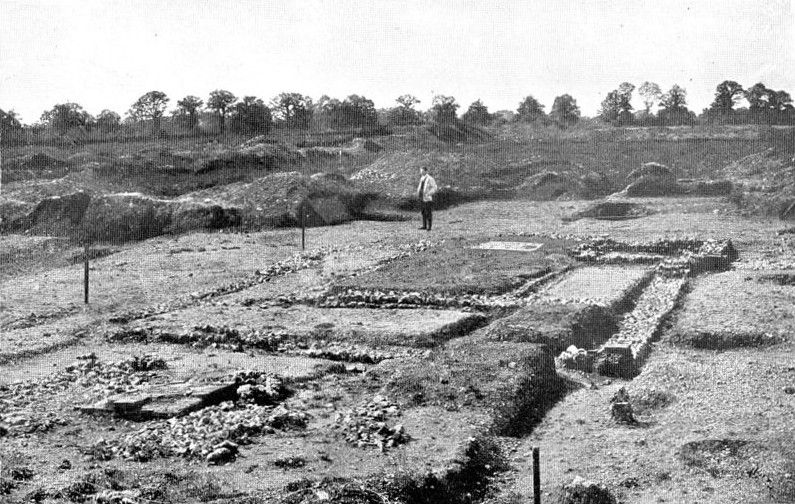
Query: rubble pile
pixel 639 327
pixel 575 358
pixel 627 258
pixel 345 353
pixel 367 425
pixel 227 338
pixel 373 298
pixel 674 267
pixel 621 407
pixel 19 400
pixel 213 433
pixel 674 257
pixel 595 248
pixel 223 337
pixel 257 387
pixel 582 491
pixel 762 264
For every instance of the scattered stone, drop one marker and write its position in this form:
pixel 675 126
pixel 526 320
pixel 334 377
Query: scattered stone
pixel 582 491
pixel 164 401
pixel 290 462
pixel 65 465
pixel 221 455
pixel 256 387
pixel 118 497
pixel 615 364
pixel 625 351
pixel 373 298
pixel 6 486
pixel 21 473
pixel 20 399
pixel 367 425
pixel 789 389
pixel 676 257
pixel 346 353
pixel 621 409
pixel 227 338
pixel 202 432
pixel 576 358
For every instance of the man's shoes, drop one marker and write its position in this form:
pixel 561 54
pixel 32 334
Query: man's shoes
pixel 427 229
pixel 423 228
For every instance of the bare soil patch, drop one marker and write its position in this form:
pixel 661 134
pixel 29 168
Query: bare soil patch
pixel 746 313
pixel 371 327
pixel 613 210
pixel 455 267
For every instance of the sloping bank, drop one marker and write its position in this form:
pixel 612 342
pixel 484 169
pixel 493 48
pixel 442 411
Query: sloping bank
pixel 276 200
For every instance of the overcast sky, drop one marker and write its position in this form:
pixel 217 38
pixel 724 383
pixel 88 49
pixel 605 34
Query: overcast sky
pixel 106 53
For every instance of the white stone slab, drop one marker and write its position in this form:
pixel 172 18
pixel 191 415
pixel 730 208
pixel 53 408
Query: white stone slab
pixel 508 245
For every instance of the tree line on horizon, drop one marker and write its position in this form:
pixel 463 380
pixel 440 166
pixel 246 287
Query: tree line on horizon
pixel 764 106
pixel 223 112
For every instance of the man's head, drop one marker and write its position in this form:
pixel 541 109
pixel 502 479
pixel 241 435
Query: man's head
pixel 423 170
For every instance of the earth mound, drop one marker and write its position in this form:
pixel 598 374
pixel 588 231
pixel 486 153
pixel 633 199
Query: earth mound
pixel 458 131
pixel 764 183
pixel 652 169
pixel 613 210
pixel 651 179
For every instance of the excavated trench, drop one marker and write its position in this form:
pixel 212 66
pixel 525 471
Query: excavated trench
pixel 639 325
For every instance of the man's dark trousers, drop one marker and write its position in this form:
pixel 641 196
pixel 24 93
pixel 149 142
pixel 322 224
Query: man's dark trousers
pixel 427 214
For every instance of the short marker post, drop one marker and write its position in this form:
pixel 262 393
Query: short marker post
pixel 85 273
pixel 536 477
pixel 303 227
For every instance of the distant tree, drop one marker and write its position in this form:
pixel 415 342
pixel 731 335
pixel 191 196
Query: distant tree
pixel 675 98
pixel 504 116
pixel 443 109
pixel 9 125
pixel 651 94
pixel 617 106
pixel 530 110
pixel 151 105
pixel 779 106
pixel 407 101
pixel 477 113
pixel 726 96
pixel 565 110
pixel 9 120
pixel 757 96
pixel 673 105
pixel 327 113
pixel 404 113
pixel 64 116
pixel 293 109
pixel 220 101
pixel 108 120
pixel 251 115
pixel 188 108
pixel 359 112
pixel 609 109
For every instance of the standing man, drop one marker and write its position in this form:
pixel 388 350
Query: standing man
pixel 425 192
